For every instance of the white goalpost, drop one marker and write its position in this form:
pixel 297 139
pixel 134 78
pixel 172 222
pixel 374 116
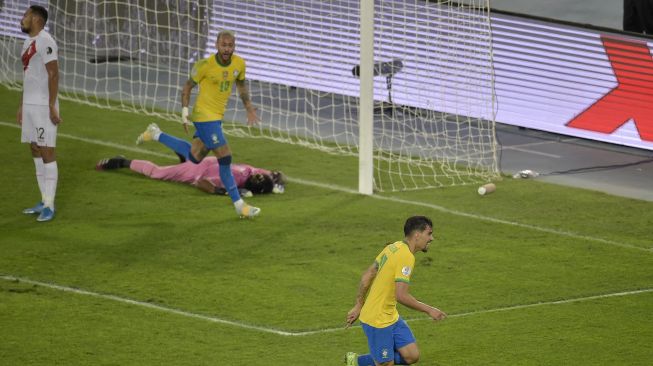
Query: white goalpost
pixel 404 85
pixel 366 101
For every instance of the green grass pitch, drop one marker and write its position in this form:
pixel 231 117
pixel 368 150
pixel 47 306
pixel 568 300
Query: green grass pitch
pixel 533 274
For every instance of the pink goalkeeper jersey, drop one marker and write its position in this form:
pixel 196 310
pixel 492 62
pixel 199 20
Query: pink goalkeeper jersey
pixel 190 173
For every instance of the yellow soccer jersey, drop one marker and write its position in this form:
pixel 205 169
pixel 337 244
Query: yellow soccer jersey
pixel 216 82
pixel 395 264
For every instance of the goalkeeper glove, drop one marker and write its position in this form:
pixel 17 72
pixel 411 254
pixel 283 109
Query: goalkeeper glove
pixel 278 188
pixel 220 191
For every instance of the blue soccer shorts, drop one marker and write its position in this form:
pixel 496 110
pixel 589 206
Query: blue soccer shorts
pixel 210 133
pixel 383 342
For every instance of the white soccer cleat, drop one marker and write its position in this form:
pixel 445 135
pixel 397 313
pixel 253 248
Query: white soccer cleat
pixel 151 133
pixel 248 211
pixel 351 359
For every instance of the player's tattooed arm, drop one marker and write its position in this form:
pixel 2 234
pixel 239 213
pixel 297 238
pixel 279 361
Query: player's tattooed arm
pixel 252 118
pixel 243 92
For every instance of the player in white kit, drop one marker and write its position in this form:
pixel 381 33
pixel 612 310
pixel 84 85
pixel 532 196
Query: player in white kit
pixel 39 111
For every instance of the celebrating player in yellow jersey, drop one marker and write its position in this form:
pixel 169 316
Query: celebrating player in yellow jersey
pixel 390 340
pixel 215 76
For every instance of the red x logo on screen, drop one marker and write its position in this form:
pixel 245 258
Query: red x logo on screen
pixel 632 64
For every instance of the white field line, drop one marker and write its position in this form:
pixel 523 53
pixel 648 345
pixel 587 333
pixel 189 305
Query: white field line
pixel 545 142
pixel 517 224
pixel 474 216
pixel 534 152
pixel 507 308
pixel 148 305
pixel 101 143
pixel 557 302
pixel 520 147
pixel 379 197
pixel 296 334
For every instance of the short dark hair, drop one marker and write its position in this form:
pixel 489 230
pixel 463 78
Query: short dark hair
pixel 278 177
pixel 259 183
pixel 416 223
pixel 40 11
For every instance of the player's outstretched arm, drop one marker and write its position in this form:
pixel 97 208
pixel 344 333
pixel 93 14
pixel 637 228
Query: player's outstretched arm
pixel 405 298
pixel 205 185
pixel 366 282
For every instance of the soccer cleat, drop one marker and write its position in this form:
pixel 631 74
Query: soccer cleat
pixel 351 359
pixel 248 211
pixel 34 210
pixel 148 134
pixel 112 163
pixel 46 215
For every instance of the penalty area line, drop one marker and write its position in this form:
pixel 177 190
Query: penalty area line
pixel 280 332
pixel 507 308
pixel 556 302
pixel 474 216
pixel 146 305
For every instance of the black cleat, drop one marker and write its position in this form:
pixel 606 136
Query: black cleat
pixel 112 163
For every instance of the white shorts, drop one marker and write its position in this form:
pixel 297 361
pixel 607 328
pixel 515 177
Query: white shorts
pixel 37 126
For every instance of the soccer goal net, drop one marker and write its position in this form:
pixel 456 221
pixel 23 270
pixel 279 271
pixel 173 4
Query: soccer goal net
pixel 433 94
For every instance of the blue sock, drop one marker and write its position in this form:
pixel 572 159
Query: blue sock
pixel 181 147
pixel 365 360
pixel 228 178
pixel 398 359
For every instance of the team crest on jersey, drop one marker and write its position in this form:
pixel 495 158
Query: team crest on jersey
pixel 225 75
pixel 236 73
pixel 384 353
pixel 48 50
pixel 405 271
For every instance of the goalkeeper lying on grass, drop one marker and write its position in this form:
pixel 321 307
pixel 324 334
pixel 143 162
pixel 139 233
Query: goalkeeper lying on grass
pixel 205 175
